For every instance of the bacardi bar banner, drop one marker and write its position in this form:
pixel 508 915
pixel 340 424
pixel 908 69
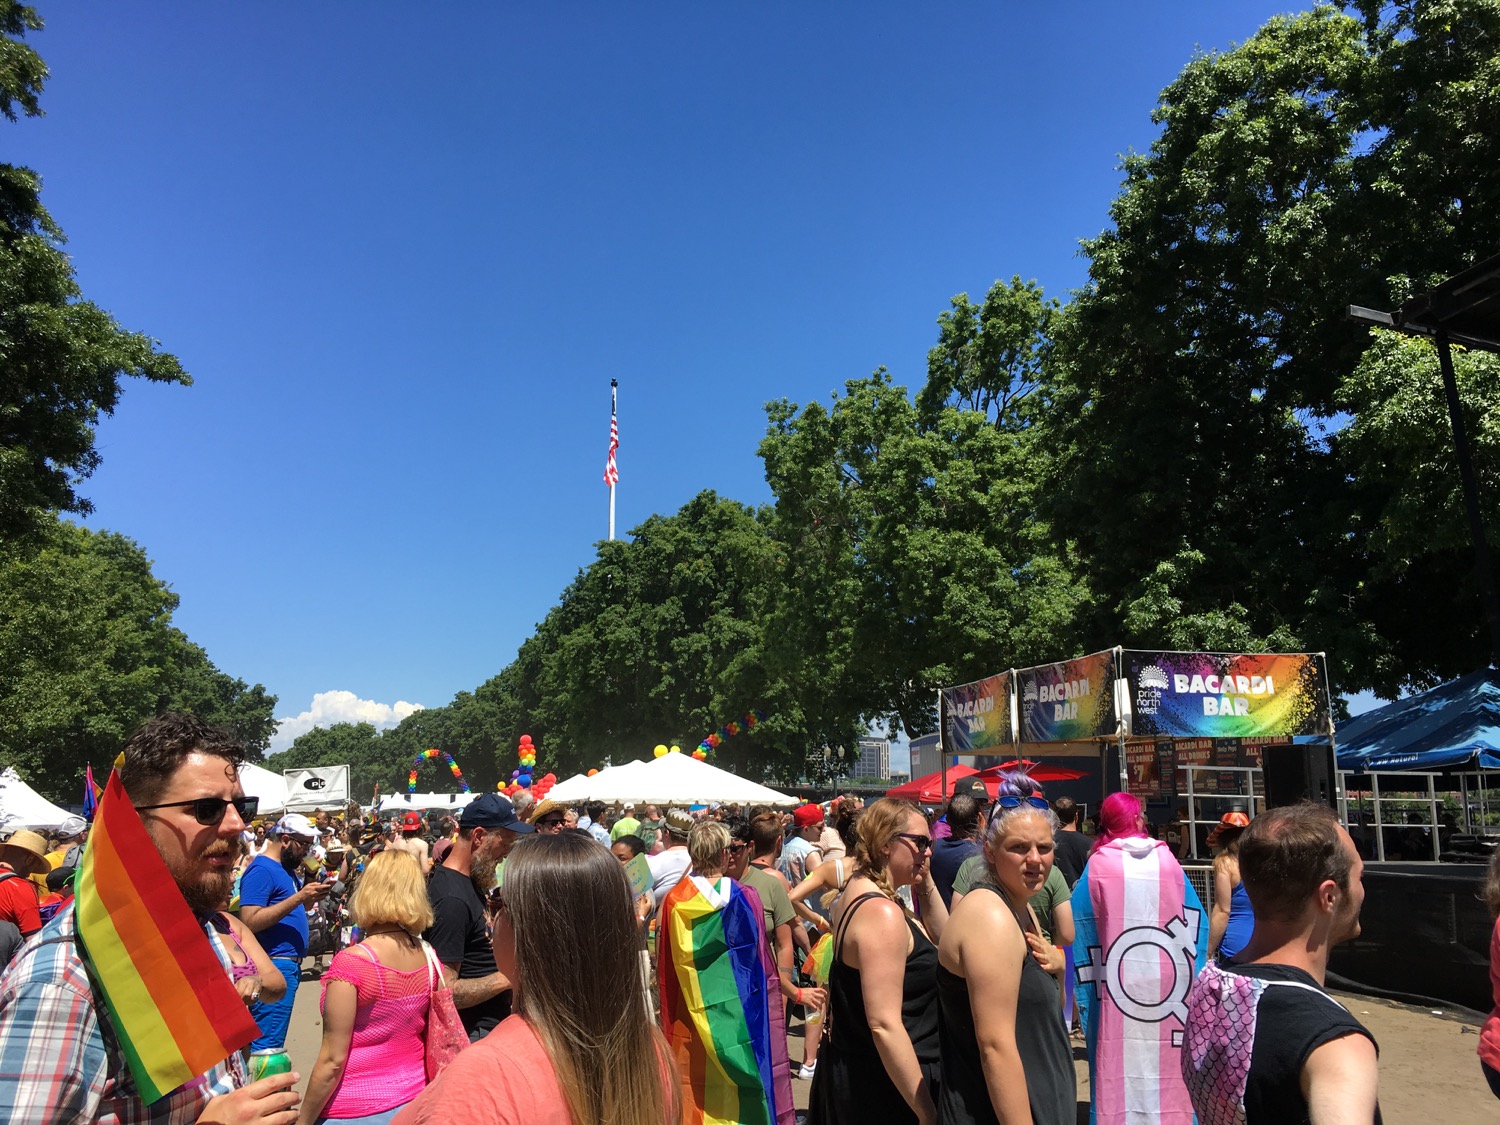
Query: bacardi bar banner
pixel 978 716
pixel 1068 701
pixel 1226 695
pixel 322 787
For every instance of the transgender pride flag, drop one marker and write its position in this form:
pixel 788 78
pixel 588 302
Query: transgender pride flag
pixel 1140 935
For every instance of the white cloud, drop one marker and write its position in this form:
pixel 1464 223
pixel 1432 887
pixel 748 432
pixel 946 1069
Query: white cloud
pixel 332 707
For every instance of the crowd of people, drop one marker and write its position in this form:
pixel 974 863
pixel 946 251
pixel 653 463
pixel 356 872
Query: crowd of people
pixel 526 961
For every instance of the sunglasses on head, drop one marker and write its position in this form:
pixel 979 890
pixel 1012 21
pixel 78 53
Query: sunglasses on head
pixel 210 810
pixel 1017 802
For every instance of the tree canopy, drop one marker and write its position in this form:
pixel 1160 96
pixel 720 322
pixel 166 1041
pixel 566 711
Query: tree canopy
pixel 63 358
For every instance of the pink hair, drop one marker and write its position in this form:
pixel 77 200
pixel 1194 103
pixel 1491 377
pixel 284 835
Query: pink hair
pixel 1119 815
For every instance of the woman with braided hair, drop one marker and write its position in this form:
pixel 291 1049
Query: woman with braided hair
pixel 880 1061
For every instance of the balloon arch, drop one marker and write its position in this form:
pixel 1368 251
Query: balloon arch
pixel 433 756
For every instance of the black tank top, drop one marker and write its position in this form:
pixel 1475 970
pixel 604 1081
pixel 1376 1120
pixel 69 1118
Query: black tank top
pixel 1041 1040
pixel 851 1083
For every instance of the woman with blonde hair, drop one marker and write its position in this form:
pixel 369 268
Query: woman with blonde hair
pixel 720 1001
pixel 375 998
pixel 1006 1055
pixel 579 1046
pixel 880 1061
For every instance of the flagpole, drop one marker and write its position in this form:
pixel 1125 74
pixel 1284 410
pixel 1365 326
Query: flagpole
pixel 614 385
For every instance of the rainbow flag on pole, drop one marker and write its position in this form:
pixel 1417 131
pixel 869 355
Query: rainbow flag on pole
pixel 169 998
pixel 717 1005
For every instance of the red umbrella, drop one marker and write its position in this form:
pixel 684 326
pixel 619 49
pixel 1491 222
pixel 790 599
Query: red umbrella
pixel 929 790
pixel 1034 770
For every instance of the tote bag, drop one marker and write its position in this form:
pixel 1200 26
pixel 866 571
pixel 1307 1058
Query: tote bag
pixel 446 1036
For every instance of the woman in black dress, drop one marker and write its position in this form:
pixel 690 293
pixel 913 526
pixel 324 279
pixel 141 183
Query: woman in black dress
pixel 1005 1051
pixel 879 1061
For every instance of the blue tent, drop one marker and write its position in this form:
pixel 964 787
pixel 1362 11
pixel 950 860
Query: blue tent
pixel 1453 724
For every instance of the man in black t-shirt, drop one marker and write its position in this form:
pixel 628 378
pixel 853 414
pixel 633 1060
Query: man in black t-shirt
pixel 1070 847
pixel 1309 1059
pixel 460 934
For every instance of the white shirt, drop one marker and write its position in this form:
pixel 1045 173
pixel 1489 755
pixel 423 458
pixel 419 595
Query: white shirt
pixel 667 870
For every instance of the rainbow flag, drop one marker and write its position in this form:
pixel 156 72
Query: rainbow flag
pixel 719 1012
pixel 819 961
pixel 169 999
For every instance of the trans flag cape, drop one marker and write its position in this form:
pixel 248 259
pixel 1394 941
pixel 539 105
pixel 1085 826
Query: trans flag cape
pixel 1140 933
pixel 721 1016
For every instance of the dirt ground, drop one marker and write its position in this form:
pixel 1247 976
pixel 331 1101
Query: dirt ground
pixel 1428 1069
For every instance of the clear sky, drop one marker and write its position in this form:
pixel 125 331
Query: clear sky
pixel 403 249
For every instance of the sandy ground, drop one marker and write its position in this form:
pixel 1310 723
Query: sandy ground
pixel 1429 1072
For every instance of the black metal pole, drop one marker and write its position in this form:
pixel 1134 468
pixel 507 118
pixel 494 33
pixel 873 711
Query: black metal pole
pixel 1482 565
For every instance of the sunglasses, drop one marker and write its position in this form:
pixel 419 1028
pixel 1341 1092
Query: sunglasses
pixel 735 849
pixel 922 842
pixel 549 822
pixel 210 810
pixel 1017 802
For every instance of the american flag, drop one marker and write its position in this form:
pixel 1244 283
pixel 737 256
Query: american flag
pixel 611 469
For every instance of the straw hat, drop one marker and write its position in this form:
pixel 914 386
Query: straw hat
pixel 1231 823
pixel 26 852
pixel 543 808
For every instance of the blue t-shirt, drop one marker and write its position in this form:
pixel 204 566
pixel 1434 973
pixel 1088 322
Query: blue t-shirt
pixel 265 883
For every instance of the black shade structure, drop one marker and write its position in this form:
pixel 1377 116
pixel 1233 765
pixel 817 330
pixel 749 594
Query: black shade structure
pixel 1465 310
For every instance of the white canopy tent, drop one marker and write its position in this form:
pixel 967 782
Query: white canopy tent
pixel 608 785
pixel 673 779
pixel 21 806
pixel 401 802
pixel 269 787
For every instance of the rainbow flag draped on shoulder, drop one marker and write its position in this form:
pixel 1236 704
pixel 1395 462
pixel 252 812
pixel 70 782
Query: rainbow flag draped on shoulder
pixel 718 1009
pixel 169 1000
pixel 1140 936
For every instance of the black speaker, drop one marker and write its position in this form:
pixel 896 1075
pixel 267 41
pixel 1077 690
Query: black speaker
pixel 1298 773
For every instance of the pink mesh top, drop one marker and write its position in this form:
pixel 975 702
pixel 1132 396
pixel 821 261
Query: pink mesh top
pixel 387 1064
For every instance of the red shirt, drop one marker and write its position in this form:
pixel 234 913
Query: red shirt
pixel 18 901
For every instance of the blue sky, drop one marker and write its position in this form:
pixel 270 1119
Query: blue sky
pixel 403 251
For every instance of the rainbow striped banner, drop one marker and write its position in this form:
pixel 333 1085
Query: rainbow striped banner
pixel 169 999
pixel 716 1005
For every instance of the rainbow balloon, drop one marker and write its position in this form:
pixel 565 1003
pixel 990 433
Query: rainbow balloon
pixel 728 730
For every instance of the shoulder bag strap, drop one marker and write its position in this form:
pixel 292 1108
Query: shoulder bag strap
pixel 434 969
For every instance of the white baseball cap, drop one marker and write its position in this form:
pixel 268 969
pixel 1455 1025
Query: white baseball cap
pixel 295 824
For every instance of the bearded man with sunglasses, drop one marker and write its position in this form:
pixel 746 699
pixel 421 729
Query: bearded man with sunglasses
pixel 59 1057
pixel 274 897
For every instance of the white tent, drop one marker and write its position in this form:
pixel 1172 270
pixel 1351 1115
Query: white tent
pixel 269 787
pixel 401 802
pixel 21 806
pixel 672 779
pixel 608 785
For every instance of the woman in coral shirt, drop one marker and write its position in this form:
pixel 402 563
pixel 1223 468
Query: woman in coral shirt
pixel 581 1046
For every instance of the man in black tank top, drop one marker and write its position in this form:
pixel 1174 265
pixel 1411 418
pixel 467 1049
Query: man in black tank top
pixel 1302 872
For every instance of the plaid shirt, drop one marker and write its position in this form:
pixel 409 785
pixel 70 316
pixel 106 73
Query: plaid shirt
pixel 60 1062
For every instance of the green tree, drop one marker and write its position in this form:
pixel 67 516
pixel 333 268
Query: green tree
pixel 88 651
pixel 1201 376
pixel 914 555
pixel 62 358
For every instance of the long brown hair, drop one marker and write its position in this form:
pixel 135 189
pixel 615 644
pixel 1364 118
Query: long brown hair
pixel 579 981
pixel 879 825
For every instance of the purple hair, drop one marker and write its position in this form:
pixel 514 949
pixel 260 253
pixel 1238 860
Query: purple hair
pixel 1119 815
